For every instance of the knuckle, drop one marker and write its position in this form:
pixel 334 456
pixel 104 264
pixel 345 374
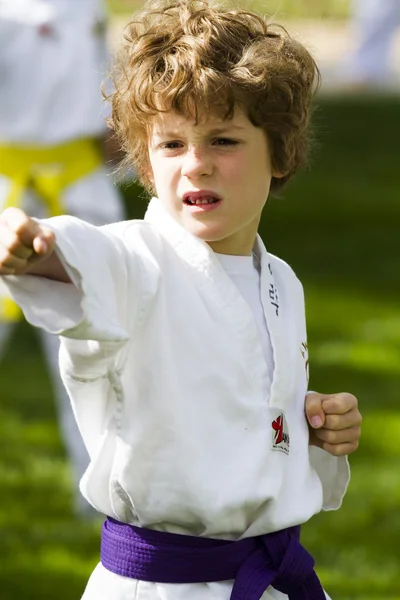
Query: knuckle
pixel 6 265
pixel 332 449
pixel 4 269
pixel 355 431
pixel 14 243
pixel 326 436
pixel 349 399
pixel 343 403
pixel 335 404
pixel 7 212
pixel 351 448
pixel 21 224
pixel 331 437
pixel 9 263
pixel 12 213
pixel 332 422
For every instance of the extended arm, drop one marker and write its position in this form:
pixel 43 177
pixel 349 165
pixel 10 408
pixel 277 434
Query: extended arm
pixel 69 277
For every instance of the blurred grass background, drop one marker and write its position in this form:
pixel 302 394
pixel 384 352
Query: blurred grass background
pixel 338 226
pixel 311 9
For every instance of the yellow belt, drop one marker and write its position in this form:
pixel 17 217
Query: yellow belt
pixel 48 171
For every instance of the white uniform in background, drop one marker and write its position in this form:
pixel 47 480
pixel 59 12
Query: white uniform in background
pixel 53 57
pixel 177 382
pixel 375 23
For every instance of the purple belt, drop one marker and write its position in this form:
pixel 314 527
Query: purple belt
pixel 276 559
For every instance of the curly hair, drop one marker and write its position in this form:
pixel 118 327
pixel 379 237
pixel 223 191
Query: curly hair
pixel 194 57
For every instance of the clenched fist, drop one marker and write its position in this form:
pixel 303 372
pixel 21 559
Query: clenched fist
pixel 334 422
pixel 27 247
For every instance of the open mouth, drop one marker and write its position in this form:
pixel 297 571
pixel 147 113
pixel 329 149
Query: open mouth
pixel 201 198
pixel 205 200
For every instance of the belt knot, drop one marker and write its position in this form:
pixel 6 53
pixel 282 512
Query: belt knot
pixel 293 565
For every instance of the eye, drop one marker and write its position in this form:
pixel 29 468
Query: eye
pixel 225 142
pixel 173 145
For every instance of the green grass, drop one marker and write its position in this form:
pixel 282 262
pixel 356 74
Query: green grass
pixel 338 226
pixel 310 9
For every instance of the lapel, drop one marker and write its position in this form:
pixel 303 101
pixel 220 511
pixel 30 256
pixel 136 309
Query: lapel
pixel 212 278
pixel 275 311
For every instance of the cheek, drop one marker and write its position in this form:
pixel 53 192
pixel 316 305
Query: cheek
pixel 156 172
pixel 165 178
pixel 164 171
pixel 152 168
pixel 234 170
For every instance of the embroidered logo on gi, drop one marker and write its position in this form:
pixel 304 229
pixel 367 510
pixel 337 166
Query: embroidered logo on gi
pixel 280 434
pixel 304 353
pixel 273 294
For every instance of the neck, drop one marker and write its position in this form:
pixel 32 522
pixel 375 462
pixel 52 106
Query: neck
pixel 232 247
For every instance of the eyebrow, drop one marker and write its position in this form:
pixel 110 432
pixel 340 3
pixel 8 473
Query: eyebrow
pixel 212 132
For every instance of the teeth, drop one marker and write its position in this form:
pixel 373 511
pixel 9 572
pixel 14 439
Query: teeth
pixel 199 201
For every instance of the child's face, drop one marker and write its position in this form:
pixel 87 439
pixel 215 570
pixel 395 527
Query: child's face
pixel 213 177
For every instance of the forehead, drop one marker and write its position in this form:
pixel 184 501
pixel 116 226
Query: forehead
pixel 170 122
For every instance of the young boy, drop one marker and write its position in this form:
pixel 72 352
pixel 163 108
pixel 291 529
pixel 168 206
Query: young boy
pixel 183 341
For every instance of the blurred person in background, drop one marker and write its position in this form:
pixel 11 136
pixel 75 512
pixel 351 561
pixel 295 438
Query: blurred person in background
pixel 53 143
pixel 375 23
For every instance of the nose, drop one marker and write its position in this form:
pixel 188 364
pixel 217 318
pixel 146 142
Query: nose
pixel 197 162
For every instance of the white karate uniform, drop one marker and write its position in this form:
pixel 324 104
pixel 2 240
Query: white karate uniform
pixel 162 358
pixel 375 23
pixel 53 58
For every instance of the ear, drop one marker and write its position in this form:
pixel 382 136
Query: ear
pixel 277 174
pixel 275 171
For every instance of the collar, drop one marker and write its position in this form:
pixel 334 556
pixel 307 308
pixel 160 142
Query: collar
pixel 191 250
pixel 212 277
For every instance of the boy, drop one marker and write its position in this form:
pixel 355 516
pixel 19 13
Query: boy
pixel 183 341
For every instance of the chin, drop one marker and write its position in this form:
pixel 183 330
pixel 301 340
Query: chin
pixel 205 235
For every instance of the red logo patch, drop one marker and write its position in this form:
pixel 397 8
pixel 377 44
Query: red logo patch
pixel 280 434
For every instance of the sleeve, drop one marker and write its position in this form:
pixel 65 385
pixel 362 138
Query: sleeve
pixel 94 306
pixel 334 474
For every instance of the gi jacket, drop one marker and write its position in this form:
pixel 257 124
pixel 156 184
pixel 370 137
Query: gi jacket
pixel 162 359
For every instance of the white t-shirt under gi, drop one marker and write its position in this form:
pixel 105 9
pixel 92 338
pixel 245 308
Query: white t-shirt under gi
pixel 245 273
pixel 166 370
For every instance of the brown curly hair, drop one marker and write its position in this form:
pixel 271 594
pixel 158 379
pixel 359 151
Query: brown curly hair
pixel 195 57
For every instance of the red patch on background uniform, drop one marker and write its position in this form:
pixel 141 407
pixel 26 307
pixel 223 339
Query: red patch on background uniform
pixel 45 30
